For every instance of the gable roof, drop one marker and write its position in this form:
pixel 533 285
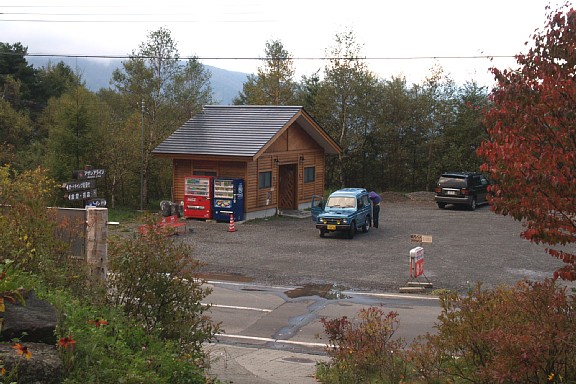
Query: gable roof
pixel 240 130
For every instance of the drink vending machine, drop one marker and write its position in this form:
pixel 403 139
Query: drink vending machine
pixel 197 197
pixel 228 199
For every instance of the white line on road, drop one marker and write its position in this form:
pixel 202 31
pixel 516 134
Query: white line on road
pixel 391 295
pixel 268 339
pixel 237 307
pixel 349 293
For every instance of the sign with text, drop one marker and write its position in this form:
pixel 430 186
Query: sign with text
pixel 88 174
pixel 98 202
pixel 80 195
pixel 421 238
pixel 72 186
pixel 416 262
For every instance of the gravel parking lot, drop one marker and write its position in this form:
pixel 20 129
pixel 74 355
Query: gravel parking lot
pixel 467 247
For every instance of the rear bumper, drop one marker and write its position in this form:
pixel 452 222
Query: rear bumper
pixel 466 200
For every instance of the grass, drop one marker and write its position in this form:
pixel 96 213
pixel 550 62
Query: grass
pixel 125 215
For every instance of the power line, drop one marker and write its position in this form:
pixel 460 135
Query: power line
pixel 473 57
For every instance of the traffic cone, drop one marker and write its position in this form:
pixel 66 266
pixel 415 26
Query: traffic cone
pixel 231 227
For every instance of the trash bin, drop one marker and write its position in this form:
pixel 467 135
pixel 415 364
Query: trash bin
pixel 166 208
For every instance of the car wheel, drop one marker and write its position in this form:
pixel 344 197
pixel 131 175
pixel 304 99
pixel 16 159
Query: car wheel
pixel 473 204
pixel 352 230
pixel 367 224
pixel 441 205
pixel 322 233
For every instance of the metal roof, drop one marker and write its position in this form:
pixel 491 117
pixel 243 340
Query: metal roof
pixel 239 130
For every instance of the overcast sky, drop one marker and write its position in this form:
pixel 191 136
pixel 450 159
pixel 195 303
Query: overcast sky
pixel 397 37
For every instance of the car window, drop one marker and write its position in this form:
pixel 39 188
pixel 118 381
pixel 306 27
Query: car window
pixel 452 182
pixel 366 200
pixel 341 202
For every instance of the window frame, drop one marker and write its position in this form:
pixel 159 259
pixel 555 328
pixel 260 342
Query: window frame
pixel 264 179
pixel 307 179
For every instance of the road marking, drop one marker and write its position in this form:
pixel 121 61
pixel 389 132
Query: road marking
pixel 268 339
pixel 237 307
pixel 247 285
pixel 350 293
pixel 390 295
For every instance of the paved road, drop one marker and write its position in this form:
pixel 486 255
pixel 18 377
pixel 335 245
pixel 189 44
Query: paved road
pixel 275 334
pixel 467 247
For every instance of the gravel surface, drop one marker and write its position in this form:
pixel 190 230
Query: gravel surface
pixel 467 247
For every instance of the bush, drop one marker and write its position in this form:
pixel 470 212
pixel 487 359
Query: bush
pixel 520 334
pixel 364 351
pixel 154 280
pixel 30 233
pixel 101 345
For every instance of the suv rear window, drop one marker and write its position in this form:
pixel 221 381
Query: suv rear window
pixel 452 182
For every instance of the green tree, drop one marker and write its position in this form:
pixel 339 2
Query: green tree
pixel 346 104
pixel 15 130
pixel 157 86
pixel 273 84
pixel 434 104
pixel 75 128
pixel 463 137
pixel 54 80
pixel 393 122
pixel 13 65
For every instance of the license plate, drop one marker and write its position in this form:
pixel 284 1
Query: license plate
pixel 450 192
pixel 331 227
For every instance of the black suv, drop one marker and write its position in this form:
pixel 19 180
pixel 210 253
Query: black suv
pixel 461 188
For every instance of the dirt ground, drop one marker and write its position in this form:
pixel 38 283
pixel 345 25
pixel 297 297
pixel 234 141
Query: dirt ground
pixel 467 247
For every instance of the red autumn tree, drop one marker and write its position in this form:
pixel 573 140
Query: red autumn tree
pixel 531 150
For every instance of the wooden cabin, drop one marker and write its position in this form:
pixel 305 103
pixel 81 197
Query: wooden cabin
pixel 278 150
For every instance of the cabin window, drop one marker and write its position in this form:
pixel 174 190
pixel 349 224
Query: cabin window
pixel 264 179
pixel 204 173
pixel 309 174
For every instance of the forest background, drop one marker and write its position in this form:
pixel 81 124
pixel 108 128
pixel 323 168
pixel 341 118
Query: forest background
pixel 395 136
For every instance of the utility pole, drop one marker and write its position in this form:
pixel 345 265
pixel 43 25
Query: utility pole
pixel 142 164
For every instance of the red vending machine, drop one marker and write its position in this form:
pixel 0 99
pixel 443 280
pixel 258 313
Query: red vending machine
pixel 198 197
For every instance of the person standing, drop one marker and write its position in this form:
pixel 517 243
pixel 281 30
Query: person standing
pixel 376 199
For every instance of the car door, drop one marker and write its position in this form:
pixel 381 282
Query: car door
pixel 366 210
pixel 317 206
pixel 483 189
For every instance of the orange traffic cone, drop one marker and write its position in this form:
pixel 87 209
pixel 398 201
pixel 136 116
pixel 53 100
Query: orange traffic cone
pixel 231 227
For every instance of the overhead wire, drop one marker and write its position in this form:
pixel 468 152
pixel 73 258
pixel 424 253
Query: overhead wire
pixel 156 14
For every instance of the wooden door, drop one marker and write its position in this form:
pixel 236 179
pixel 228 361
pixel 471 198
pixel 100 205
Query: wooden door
pixel 287 187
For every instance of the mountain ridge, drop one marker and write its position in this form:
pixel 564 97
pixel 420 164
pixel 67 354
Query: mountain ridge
pixel 97 73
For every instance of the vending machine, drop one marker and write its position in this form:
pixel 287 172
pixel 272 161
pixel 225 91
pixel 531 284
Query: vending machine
pixel 198 197
pixel 228 199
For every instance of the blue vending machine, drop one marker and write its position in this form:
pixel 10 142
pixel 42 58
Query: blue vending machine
pixel 228 198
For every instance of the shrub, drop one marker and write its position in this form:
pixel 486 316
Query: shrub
pixel 29 230
pixel 520 334
pixel 154 280
pixel 101 345
pixel 363 351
